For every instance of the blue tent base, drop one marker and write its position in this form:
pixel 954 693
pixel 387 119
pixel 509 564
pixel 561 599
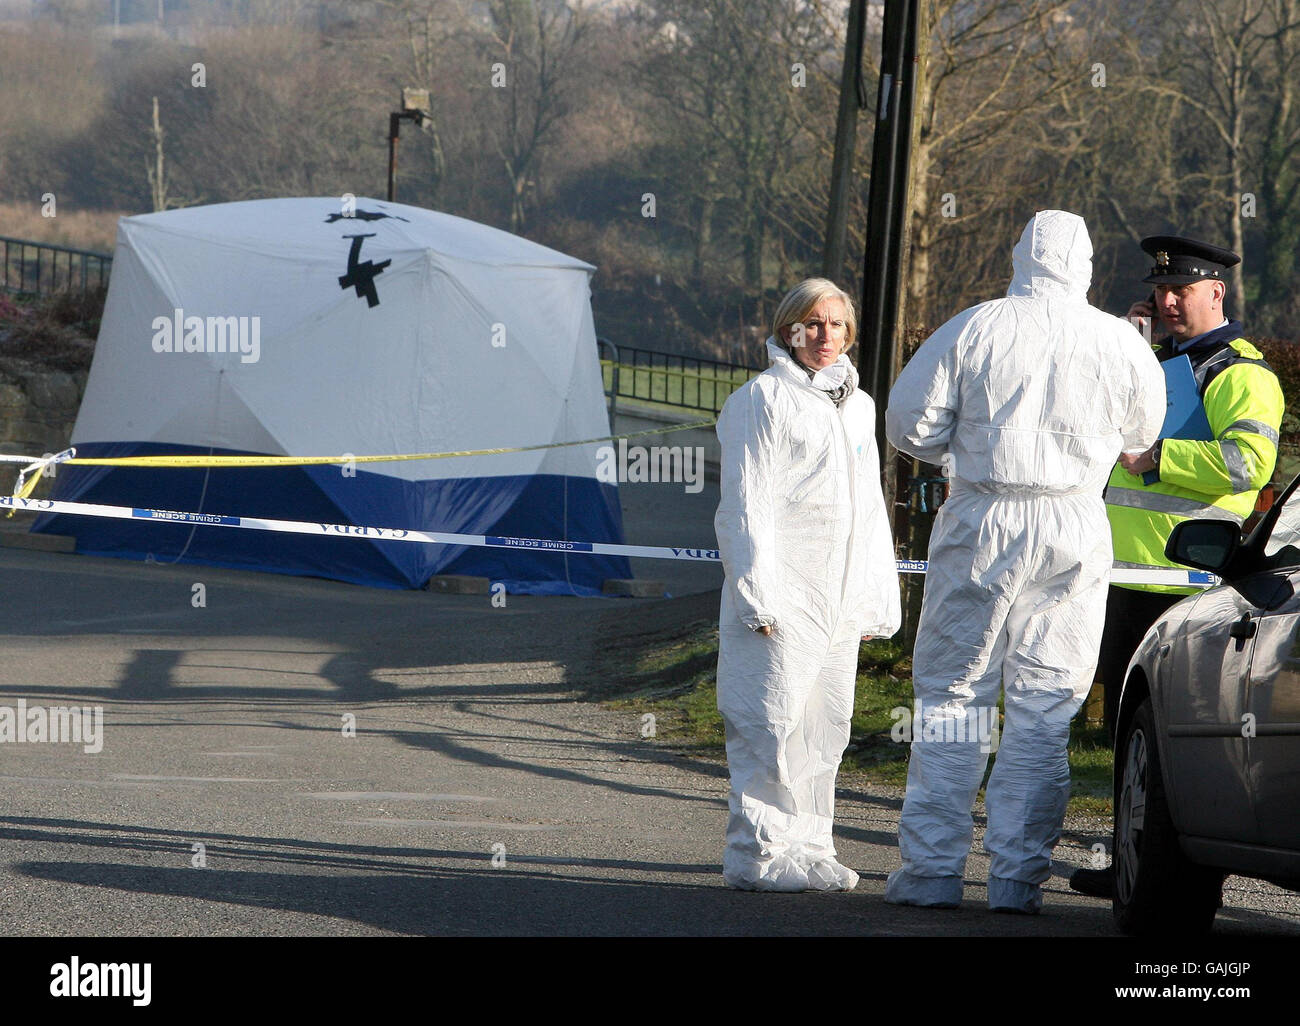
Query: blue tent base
pixel 533 507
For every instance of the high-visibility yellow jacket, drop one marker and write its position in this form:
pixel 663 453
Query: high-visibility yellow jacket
pixel 1220 478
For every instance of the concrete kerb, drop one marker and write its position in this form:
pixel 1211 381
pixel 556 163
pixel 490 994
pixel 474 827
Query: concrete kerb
pixel 14 534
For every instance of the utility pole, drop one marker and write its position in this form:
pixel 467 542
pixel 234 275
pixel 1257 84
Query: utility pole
pixel 887 210
pixel 853 98
pixel 887 204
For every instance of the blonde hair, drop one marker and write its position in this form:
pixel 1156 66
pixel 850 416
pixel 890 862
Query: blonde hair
pixel 799 302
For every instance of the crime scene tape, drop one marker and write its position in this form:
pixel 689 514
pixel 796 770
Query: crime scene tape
pixel 306 461
pixel 24 486
pixel 1184 578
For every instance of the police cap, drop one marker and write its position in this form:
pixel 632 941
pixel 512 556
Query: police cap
pixel 1182 261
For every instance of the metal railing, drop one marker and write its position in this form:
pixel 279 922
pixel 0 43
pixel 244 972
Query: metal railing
pixel 686 382
pixel 611 389
pixel 42 267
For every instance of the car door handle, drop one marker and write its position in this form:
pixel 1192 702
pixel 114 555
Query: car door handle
pixel 1243 629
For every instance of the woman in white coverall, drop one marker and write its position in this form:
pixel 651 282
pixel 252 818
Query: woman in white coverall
pixel 1028 401
pixel 810 569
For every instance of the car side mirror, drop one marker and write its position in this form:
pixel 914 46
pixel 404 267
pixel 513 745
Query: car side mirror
pixel 1204 544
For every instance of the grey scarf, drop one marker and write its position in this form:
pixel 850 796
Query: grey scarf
pixel 835 395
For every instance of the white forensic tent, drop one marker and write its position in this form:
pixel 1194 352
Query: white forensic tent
pixel 286 327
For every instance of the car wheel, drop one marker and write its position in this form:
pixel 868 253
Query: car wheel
pixel 1157 888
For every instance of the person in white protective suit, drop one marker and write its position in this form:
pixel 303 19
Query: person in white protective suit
pixel 1027 401
pixel 810 569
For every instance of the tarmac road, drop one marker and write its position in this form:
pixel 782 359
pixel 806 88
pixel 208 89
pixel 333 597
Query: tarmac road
pixel 224 727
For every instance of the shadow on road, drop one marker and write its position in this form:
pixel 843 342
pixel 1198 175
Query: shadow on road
pixel 392 889
pixel 116 631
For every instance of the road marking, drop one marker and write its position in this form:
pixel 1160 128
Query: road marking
pixel 466 824
pixel 396 796
pixel 199 780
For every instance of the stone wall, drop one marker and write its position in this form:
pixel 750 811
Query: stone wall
pixel 38 406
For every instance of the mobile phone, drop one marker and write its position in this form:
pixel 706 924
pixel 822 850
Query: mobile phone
pixel 1148 330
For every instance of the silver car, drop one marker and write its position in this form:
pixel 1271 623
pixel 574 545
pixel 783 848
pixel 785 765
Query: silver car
pixel 1207 753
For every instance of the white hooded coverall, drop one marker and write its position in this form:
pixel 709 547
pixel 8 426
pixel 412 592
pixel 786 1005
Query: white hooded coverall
pixel 806 547
pixel 1028 401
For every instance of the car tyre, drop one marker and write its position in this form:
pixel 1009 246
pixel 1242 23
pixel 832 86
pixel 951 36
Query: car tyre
pixel 1158 890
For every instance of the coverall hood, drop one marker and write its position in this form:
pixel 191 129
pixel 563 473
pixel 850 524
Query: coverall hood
pixel 1028 400
pixel 1053 257
pixel 779 356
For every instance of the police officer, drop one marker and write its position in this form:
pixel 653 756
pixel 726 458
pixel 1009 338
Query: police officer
pixel 1180 479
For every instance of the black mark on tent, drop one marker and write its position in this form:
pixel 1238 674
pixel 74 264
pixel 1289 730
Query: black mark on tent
pixel 363 215
pixel 362 276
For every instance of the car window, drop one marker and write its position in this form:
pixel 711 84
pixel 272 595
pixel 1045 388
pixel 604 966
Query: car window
pixel 1283 547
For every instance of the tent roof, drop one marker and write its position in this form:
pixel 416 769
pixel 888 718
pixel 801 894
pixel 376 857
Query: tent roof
pixel 295 227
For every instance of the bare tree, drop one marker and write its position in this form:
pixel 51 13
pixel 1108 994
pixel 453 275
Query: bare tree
pixel 535 49
pixel 428 25
pixel 987 77
pixel 1214 79
pixel 1279 164
pixel 155 170
pixel 281 115
pixel 77 16
pixel 1106 146
pixel 738 88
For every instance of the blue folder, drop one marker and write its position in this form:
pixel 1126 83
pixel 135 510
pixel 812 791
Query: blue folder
pixel 1184 413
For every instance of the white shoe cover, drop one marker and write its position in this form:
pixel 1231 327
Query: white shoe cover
pixel 925 891
pixel 1014 896
pixel 782 873
pixel 829 875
